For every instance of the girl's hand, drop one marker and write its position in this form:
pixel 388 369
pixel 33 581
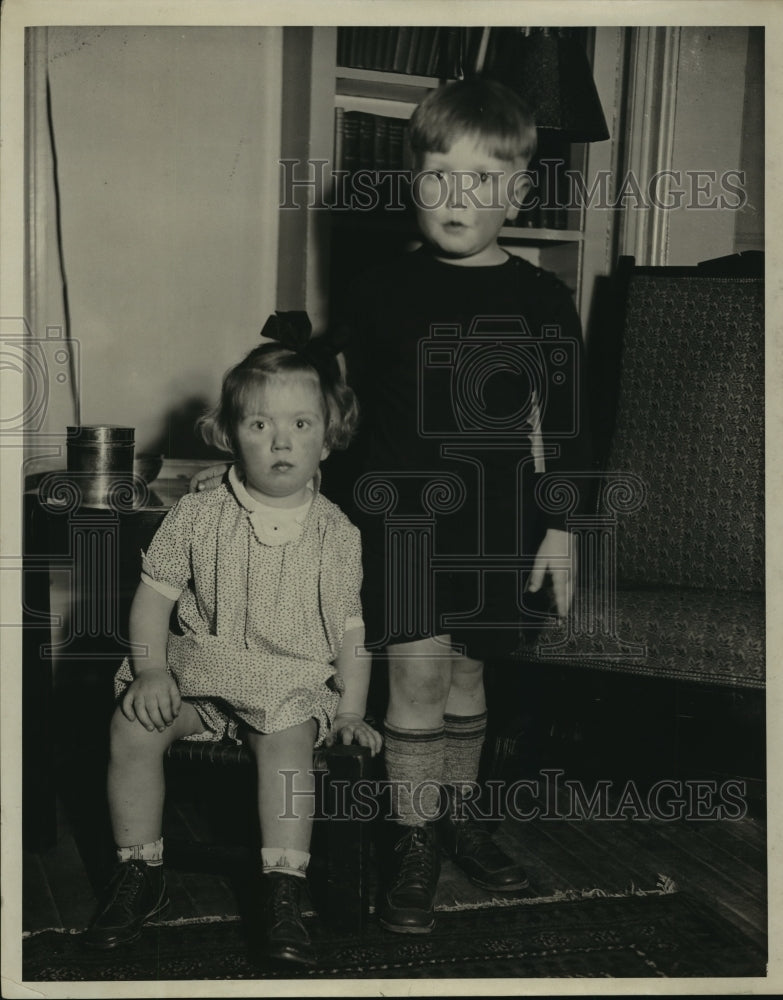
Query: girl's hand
pixel 153 699
pixel 349 728
pixel 208 479
pixel 554 556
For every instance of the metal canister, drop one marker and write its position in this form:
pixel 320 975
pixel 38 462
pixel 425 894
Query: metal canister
pixel 100 460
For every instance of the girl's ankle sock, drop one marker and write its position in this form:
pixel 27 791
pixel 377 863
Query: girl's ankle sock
pixel 284 859
pixel 151 853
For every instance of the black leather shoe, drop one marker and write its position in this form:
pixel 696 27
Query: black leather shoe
pixel 136 892
pixel 287 937
pixel 407 906
pixel 471 847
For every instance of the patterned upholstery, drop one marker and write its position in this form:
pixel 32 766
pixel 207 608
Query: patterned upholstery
pixel 714 636
pixel 689 599
pixel 690 423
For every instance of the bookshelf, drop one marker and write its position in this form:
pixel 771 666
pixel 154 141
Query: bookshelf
pixel 577 248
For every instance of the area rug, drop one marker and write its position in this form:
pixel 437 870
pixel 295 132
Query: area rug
pixel 648 935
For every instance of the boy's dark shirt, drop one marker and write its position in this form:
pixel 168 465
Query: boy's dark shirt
pixel 392 311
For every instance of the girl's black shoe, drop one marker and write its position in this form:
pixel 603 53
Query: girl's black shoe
pixel 287 938
pixel 136 892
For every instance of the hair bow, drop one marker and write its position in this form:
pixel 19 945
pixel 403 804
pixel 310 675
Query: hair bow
pixel 293 330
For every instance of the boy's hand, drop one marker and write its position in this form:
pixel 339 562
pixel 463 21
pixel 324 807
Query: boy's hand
pixel 554 557
pixel 208 479
pixel 349 728
pixel 153 699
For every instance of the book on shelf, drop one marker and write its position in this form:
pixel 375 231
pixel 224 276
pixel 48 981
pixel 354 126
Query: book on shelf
pixel 545 204
pixel 350 141
pixel 339 136
pixel 365 141
pixel 389 47
pixel 412 55
pixel 475 48
pixel 344 46
pixel 366 138
pixel 402 45
pixel 431 65
pixel 414 50
pixel 398 146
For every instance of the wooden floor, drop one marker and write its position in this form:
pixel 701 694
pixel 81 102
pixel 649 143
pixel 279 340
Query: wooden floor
pixel 722 862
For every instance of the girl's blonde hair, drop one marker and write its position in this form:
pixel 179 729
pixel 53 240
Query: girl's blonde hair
pixel 240 383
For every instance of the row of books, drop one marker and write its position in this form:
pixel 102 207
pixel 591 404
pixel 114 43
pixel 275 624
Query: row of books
pixel 446 53
pixel 538 212
pixel 364 141
pixel 442 52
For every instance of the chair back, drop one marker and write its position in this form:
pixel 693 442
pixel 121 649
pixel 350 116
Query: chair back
pixel 690 423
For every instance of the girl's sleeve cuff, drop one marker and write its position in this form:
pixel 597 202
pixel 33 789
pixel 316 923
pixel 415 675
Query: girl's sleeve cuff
pixel 167 589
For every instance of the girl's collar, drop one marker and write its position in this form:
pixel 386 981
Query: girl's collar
pixel 251 505
pixel 272 525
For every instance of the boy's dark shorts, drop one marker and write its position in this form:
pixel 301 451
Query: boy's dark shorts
pixel 486 614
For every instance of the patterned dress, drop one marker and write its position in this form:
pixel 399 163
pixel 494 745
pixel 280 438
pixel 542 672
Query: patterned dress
pixel 264 600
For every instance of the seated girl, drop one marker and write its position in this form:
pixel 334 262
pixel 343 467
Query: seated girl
pixel 265 573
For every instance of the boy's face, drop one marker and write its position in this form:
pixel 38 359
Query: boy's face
pixel 463 197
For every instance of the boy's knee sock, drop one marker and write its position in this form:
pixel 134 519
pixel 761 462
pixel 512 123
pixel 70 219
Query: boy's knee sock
pixel 151 853
pixel 414 766
pixel 464 741
pixel 284 859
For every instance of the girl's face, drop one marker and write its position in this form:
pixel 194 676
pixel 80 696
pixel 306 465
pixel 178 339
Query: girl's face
pixel 464 197
pixel 280 439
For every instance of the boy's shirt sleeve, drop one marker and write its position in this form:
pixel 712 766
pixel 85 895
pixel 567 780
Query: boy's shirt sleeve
pixel 166 565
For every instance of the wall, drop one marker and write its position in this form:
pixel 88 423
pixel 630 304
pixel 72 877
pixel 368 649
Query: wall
pixel 165 144
pixel 707 135
pixel 694 117
pixel 749 231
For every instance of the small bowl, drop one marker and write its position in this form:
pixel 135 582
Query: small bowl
pixel 148 466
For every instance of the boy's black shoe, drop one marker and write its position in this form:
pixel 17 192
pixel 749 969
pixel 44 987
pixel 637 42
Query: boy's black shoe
pixel 407 905
pixel 287 937
pixel 136 892
pixel 471 847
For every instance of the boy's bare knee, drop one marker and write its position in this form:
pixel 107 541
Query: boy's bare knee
pixel 467 675
pixel 419 682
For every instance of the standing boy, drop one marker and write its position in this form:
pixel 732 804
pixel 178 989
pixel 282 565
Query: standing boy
pixel 453 351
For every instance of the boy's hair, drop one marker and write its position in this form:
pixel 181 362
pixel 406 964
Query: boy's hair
pixel 484 109
pixel 341 411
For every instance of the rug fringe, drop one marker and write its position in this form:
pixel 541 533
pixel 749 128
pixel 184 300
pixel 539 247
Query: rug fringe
pixel 664 887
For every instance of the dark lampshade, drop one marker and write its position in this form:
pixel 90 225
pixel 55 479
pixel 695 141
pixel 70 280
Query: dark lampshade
pixel 549 68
